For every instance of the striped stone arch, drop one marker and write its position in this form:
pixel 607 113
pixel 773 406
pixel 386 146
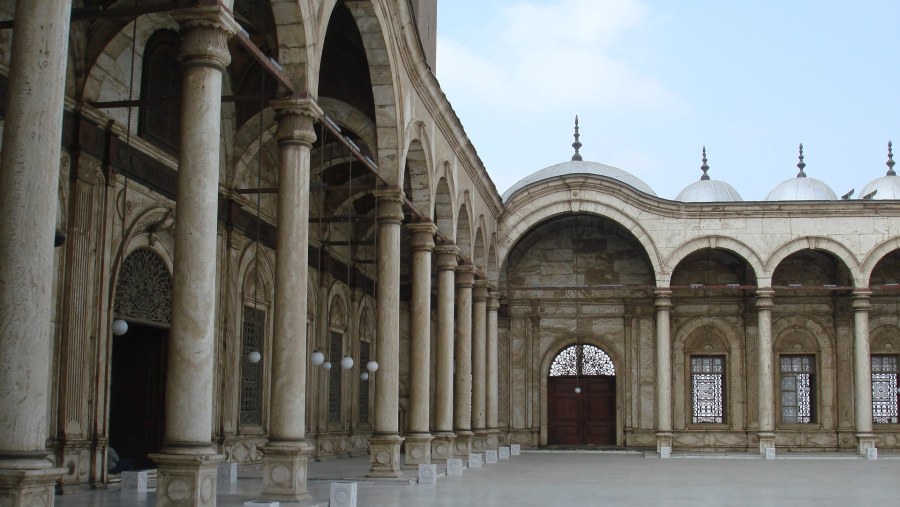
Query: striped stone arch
pixel 464 230
pixel 812 243
pixel 417 183
pixel 442 214
pixel 294 26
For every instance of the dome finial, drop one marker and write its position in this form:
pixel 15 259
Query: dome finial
pixel 890 160
pixel 577 144
pixel 801 164
pixel 704 167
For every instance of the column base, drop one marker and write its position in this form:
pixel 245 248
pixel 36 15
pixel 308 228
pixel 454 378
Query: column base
pixel 418 450
pixel 493 440
pixel 284 471
pixel 766 441
pixel 28 482
pixel 864 442
pixel 385 456
pixel 664 441
pixel 462 444
pixel 442 447
pixel 186 479
pixel 479 441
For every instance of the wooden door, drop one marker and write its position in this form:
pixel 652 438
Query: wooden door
pixel 586 418
pixel 137 393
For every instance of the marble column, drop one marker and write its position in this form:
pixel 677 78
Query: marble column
pixel 663 369
pixel 442 445
pixel 286 453
pixel 462 379
pixel 766 387
pixel 187 462
pixel 29 179
pixel 385 441
pixel 862 370
pixel 493 373
pixel 479 365
pixel 418 438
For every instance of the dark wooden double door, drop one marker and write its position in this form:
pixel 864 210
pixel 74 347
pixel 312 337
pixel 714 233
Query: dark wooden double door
pixel 585 418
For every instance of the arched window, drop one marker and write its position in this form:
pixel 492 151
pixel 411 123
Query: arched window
pixel 160 115
pixel 144 291
pixel 253 339
pixel 582 360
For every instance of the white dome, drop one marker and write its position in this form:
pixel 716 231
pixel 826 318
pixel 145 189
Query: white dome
pixel 885 187
pixel 579 167
pixel 709 191
pixel 802 188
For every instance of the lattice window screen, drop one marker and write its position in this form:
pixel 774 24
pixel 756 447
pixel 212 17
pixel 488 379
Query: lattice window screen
pixel 708 389
pixel 334 384
pixel 798 389
pixel 144 291
pixel 884 389
pixel 582 360
pixel 364 354
pixel 252 334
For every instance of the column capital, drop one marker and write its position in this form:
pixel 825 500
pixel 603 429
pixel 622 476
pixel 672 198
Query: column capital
pixel 465 276
pixel 663 298
pixel 764 298
pixel 296 117
pixel 493 302
pixel 862 300
pixel 390 205
pixel 446 256
pixel 480 290
pixel 206 31
pixel 422 236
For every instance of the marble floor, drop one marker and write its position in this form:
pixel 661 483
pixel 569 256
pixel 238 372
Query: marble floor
pixel 547 478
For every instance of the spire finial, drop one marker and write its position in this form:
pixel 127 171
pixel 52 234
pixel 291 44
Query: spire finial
pixel 577 144
pixel 704 167
pixel 890 161
pixel 801 164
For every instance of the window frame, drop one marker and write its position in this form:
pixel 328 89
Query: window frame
pixel 813 388
pixel 723 375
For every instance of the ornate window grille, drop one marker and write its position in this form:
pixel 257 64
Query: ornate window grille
pixel 335 350
pixel 144 291
pixel 708 389
pixel 582 360
pixel 364 356
pixel 253 331
pixel 798 389
pixel 884 389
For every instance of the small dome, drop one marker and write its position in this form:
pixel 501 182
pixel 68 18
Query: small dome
pixel 579 166
pixel 707 190
pixel 887 186
pixel 802 188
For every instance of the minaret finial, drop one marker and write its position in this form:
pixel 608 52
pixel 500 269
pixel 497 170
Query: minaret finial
pixel 890 161
pixel 801 164
pixel 704 167
pixel 577 144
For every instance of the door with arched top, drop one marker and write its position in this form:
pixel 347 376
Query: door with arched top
pixel 581 393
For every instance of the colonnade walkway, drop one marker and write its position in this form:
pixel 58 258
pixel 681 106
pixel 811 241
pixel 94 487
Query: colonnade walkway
pixel 564 478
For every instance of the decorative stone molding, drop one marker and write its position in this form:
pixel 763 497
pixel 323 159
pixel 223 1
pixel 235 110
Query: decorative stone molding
pixel 206 31
pixel 186 479
pixel 442 447
pixel 284 472
pixel 385 456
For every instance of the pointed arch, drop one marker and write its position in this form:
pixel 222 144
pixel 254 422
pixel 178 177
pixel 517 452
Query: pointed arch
pixel 417 169
pixel 464 232
pixel 478 252
pixel 443 207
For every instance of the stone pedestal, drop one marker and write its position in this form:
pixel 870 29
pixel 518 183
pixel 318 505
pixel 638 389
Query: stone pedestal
pixel 515 450
pixel 186 479
pixel 454 467
pixel 663 439
pixel 865 442
pixel 766 442
pixel 385 456
pixel 427 474
pixel 492 439
pixel 135 481
pixel 504 453
pixel 228 473
pixel 27 488
pixel 476 460
pixel 462 444
pixel 479 441
pixel 442 447
pixel 284 473
pixel 343 494
pixel 418 450
pixel 491 457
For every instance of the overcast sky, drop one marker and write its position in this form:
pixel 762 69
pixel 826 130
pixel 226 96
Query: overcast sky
pixel 654 81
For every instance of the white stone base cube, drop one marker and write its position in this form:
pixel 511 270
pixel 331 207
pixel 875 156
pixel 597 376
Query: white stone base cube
pixel 475 460
pixel 515 449
pixel 228 473
pixel 504 453
pixel 343 494
pixel 871 453
pixel 491 457
pixel 665 452
pixel 262 503
pixel 454 467
pixel 427 474
pixel 135 481
pixel 770 453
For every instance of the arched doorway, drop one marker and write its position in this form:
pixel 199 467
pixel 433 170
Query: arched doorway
pixel 138 361
pixel 581 394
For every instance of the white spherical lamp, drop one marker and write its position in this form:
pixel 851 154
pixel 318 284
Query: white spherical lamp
pixel 253 357
pixel 326 365
pixel 372 366
pixel 577 390
pixel 119 327
pixel 364 376
pixel 317 358
pixel 347 362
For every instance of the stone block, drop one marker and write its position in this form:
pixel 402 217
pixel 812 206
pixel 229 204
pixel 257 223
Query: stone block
pixel 475 460
pixel 871 453
pixel 770 453
pixel 454 467
pixel 135 481
pixel 491 457
pixel 228 473
pixel 504 453
pixel 261 503
pixel 665 452
pixel 515 449
pixel 427 474
pixel 343 494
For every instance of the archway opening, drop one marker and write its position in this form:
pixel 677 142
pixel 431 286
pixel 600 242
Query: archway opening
pixel 138 360
pixel 581 393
